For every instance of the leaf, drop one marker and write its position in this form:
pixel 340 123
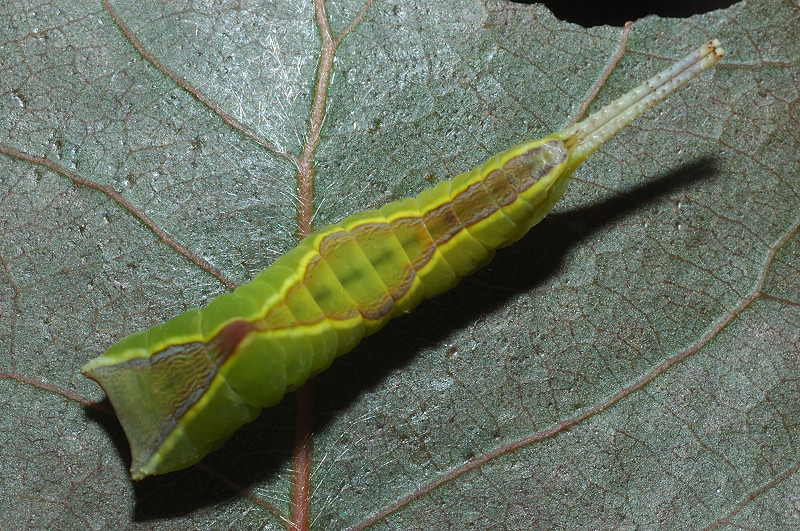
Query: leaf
pixel 633 362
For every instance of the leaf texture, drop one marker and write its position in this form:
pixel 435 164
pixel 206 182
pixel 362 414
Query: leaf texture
pixel 631 363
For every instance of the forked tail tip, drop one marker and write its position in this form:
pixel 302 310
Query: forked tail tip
pixel 716 47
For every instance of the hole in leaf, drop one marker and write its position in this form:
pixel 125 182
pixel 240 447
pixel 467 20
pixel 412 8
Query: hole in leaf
pixel 589 13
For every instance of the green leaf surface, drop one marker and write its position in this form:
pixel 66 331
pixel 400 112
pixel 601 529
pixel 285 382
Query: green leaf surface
pixel 634 362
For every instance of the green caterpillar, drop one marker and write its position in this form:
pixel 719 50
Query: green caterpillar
pixel 182 388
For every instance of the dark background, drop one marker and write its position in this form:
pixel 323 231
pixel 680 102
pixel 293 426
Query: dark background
pixel 594 13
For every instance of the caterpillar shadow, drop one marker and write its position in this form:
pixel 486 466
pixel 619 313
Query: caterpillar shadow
pixel 262 449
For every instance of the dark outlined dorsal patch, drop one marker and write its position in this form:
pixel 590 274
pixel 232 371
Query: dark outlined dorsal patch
pixel 527 169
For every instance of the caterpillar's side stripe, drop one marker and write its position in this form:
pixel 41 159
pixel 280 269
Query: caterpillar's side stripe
pixel 183 387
